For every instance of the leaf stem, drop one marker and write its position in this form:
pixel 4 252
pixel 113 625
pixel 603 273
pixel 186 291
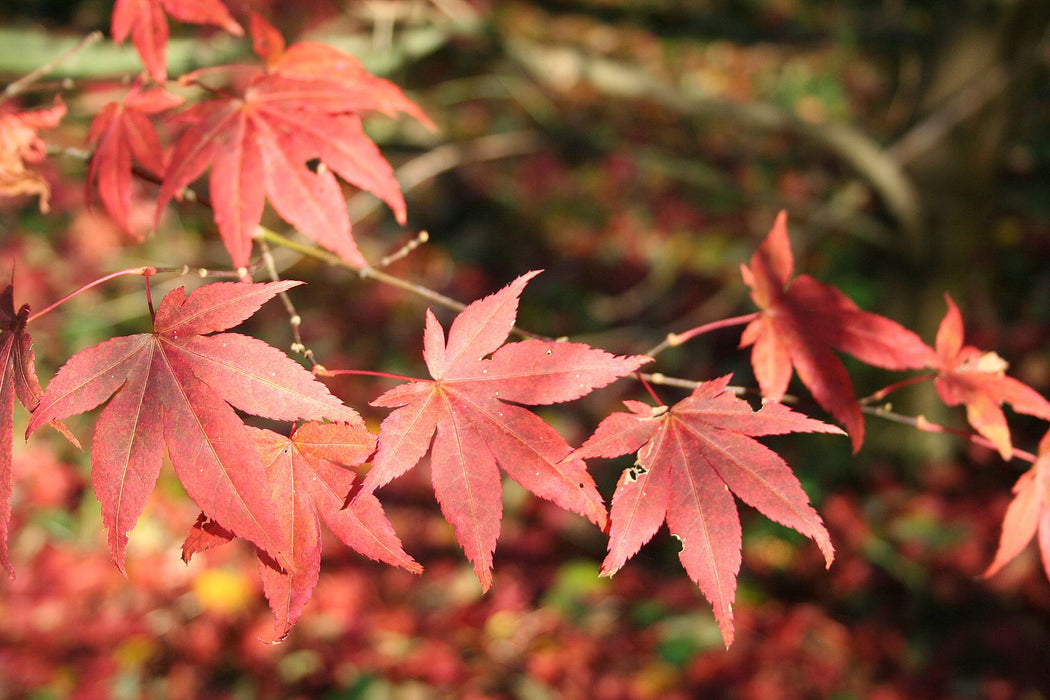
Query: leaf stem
pixel 321 371
pixel 294 319
pixel 25 81
pixel 145 271
pixel 404 250
pixel 649 388
pixel 886 391
pixel 149 301
pixel 674 339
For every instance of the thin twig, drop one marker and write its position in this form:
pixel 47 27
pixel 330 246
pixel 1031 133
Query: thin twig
pixel 886 391
pixel 920 423
pixel 675 339
pixel 404 250
pixel 25 81
pixel 145 271
pixel 369 272
pixel 294 319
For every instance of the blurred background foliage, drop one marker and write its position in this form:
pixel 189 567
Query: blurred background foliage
pixel 637 151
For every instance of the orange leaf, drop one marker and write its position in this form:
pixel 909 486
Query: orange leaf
pixel 978 380
pixel 1027 513
pixel 20 145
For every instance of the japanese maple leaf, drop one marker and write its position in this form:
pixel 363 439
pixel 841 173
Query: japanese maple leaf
pixel 471 414
pixel 307 477
pixel 174 388
pixel 259 142
pixel 691 458
pixel 965 375
pixel 803 320
pixel 121 133
pixel 147 24
pixel 17 378
pixel 1027 514
pixel 21 146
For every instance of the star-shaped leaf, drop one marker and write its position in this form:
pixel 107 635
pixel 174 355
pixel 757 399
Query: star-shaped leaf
pixel 965 375
pixel 802 321
pixel 692 458
pixel 307 476
pixel 177 388
pixel 470 412
pixel 282 136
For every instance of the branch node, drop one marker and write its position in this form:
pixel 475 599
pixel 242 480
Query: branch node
pixel 404 250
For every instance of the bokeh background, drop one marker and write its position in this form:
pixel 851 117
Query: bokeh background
pixel 637 150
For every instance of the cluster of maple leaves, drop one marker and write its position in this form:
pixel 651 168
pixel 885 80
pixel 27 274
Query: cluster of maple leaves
pixel 281 132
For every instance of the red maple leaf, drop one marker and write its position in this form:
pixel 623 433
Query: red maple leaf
pixel 803 320
pixel 174 388
pixel 1027 514
pixel 965 375
pixel 21 145
pixel 691 457
pixel 147 23
pixel 307 476
pixel 17 377
pixel 260 140
pixel 465 411
pixel 122 132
